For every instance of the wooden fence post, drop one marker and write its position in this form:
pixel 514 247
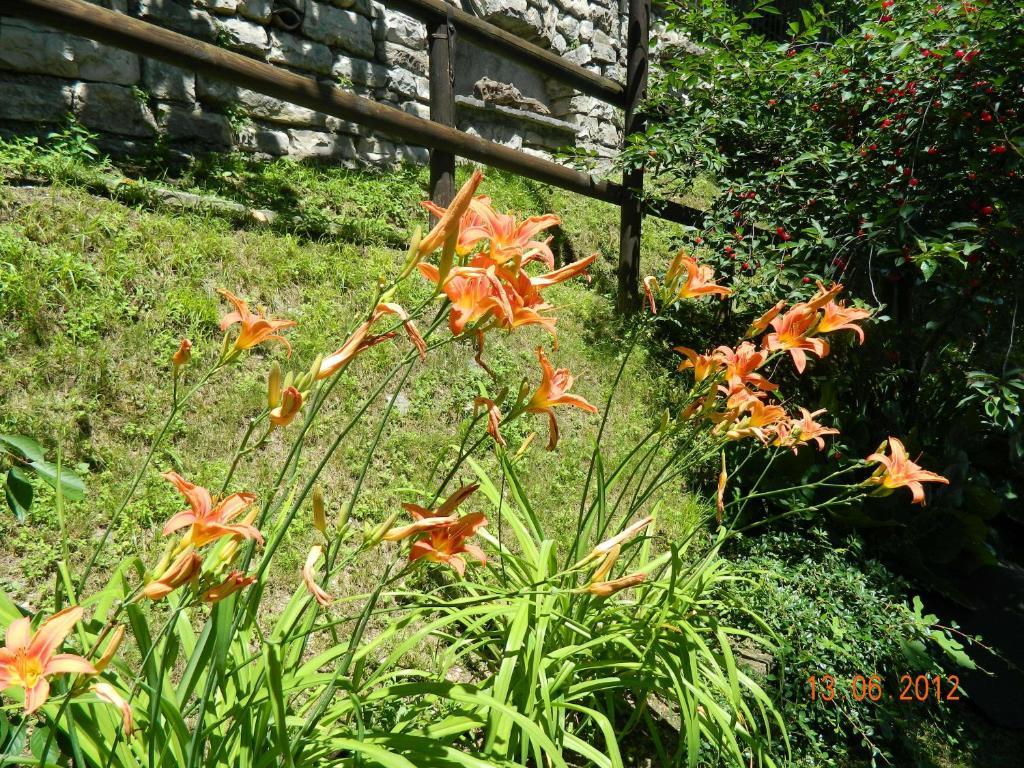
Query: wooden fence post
pixel 442 109
pixel 637 47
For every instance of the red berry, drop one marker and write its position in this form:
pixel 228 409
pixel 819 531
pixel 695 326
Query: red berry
pixel 807 280
pixel 913 182
pixel 997 149
pixel 987 210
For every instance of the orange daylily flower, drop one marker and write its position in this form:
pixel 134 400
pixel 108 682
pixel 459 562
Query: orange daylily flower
pixel 760 420
pixel 182 355
pixel 28 659
pixel 508 238
pixel 896 470
pixel 650 286
pixel 447 228
pixel 804 430
pixel 256 328
pixel 552 392
pixel 309 577
pixel 448 544
pixel 838 317
pixel 759 325
pixel 741 364
pixel 108 693
pixel 700 278
pixel 474 294
pixel 469 227
pixel 233 582
pixel 702 365
pixel 208 521
pixel 791 334
pixel 116 638
pixel 186 567
pixel 287 409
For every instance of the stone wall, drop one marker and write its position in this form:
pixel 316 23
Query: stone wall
pixel 361 45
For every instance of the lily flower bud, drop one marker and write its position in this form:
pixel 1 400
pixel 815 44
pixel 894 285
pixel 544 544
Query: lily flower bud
pixel 378 533
pixel 274 386
pixel 291 404
pixel 319 513
pixel 111 650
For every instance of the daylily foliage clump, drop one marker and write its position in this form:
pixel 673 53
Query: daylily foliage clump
pixel 539 649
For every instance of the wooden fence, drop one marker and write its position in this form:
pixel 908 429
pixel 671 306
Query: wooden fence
pixel 438 133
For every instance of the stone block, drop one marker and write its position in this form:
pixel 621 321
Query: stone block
pixel 395 27
pixel 179 18
pixel 219 7
pixel 28 48
pixel 31 99
pixel 255 138
pixel 339 29
pixel 194 125
pixel 360 72
pixel 114 109
pixel 415 108
pixel 256 10
pixel 168 83
pixel 409 85
pixel 582 55
pixel 317 144
pixel 399 56
pixel 256 105
pixel 244 36
pixel 568 27
pixel 585 32
pixel 300 54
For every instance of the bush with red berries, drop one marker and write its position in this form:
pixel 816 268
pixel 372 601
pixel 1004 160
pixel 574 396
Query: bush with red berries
pixel 880 145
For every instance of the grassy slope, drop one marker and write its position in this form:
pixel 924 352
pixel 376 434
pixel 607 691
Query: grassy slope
pixel 95 293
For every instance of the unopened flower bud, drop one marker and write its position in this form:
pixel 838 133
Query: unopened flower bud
pixel 377 534
pixel 111 650
pixel 319 512
pixel 274 386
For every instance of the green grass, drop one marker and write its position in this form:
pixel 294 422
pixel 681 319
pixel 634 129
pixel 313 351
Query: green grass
pixel 96 290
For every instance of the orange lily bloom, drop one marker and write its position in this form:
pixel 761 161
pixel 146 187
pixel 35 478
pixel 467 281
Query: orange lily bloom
pixel 186 567
pixel 182 355
pixel 474 294
pixel 741 364
pixel 700 278
pixel 759 325
pixel 309 577
pixel 898 471
pixel 552 392
pixel 288 409
pixel 108 693
pixel 209 522
pixel 447 228
pixel 650 286
pixel 791 334
pixel 804 430
pixel 255 327
pixel 27 659
pixel 447 544
pixel 511 239
pixel 469 227
pixel 839 317
pixel 761 419
pixel 234 581
pixel 702 365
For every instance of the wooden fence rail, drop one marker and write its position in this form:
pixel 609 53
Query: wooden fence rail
pixel 439 133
